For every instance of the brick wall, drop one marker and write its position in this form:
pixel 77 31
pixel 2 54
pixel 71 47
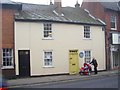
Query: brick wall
pixel 8 36
pixel 95 9
pixel 108 14
pixel 7 28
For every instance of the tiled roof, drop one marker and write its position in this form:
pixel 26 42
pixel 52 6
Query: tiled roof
pixel 111 5
pixel 47 12
pixel 7 2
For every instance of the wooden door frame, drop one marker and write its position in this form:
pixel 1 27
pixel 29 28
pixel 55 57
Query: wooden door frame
pixel 77 66
pixel 28 62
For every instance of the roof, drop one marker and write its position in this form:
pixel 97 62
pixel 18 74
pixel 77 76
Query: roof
pixel 36 12
pixel 7 2
pixel 111 5
pixel 10 4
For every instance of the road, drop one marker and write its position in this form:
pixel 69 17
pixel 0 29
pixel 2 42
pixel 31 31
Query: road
pixel 99 82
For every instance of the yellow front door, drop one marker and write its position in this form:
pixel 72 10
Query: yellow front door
pixel 73 62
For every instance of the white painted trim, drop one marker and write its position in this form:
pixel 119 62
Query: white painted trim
pixel 47 39
pixel 115 23
pixel 90 52
pixel 7 67
pixel 102 21
pixel 48 66
pixel 48 50
pixel 90 34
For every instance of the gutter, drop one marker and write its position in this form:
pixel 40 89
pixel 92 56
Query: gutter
pixel 66 22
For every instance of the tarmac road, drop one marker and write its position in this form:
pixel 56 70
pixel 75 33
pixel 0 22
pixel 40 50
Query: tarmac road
pixel 100 82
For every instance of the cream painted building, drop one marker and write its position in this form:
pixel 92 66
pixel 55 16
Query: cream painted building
pixel 57 43
pixel 65 37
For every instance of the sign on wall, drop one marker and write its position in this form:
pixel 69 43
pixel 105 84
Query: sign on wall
pixel 81 54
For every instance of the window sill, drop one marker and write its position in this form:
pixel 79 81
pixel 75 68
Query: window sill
pixel 9 67
pixel 87 38
pixel 47 39
pixel 48 67
pixel 113 29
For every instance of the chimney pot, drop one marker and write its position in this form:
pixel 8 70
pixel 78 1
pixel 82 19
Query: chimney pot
pixel 77 4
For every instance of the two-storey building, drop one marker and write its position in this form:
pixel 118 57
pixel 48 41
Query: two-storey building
pixel 51 39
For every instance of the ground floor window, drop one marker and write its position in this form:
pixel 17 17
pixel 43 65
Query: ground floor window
pixel 87 56
pixel 7 60
pixel 48 58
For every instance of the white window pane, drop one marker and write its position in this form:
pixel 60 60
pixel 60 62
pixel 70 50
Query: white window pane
pixel 86 31
pixel 47 30
pixel 48 58
pixel 113 21
pixel 7 57
pixel 87 56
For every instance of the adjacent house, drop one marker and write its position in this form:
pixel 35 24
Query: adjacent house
pixel 109 12
pixel 51 39
pixel 7 11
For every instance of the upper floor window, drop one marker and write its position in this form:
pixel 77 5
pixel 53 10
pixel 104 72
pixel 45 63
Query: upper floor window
pixel 47 30
pixel 113 22
pixel 87 56
pixel 87 32
pixel 47 58
pixel 7 61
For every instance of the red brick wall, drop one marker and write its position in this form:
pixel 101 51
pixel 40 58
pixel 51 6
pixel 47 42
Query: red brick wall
pixel 7 28
pixel 108 14
pixel 0 38
pixel 8 36
pixel 94 8
pixel 89 6
pixel 99 11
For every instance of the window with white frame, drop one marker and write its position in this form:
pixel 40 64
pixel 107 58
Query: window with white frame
pixel 87 56
pixel 87 32
pixel 47 58
pixel 47 30
pixel 113 22
pixel 7 61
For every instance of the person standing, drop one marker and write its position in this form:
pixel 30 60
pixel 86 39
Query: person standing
pixel 95 64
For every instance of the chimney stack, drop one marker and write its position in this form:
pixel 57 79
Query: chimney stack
pixel 58 6
pixel 51 2
pixel 77 4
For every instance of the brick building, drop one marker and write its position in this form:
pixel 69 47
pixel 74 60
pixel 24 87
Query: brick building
pixel 7 12
pixel 108 12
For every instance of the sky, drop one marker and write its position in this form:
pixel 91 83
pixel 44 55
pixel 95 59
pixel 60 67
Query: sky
pixel 46 2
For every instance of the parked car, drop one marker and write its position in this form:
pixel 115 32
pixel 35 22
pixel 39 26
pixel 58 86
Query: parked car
pixel 3 83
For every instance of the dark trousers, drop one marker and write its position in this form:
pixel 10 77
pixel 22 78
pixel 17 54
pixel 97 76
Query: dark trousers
pixel 95 70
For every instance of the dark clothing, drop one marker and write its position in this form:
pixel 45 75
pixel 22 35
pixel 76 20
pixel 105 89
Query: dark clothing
pixel 95 64
pixel 95 69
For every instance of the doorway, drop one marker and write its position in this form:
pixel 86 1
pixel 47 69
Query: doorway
pixel 73 62
pixel 24 63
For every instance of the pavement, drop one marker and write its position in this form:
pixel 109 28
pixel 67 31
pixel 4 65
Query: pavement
pixel 58 78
